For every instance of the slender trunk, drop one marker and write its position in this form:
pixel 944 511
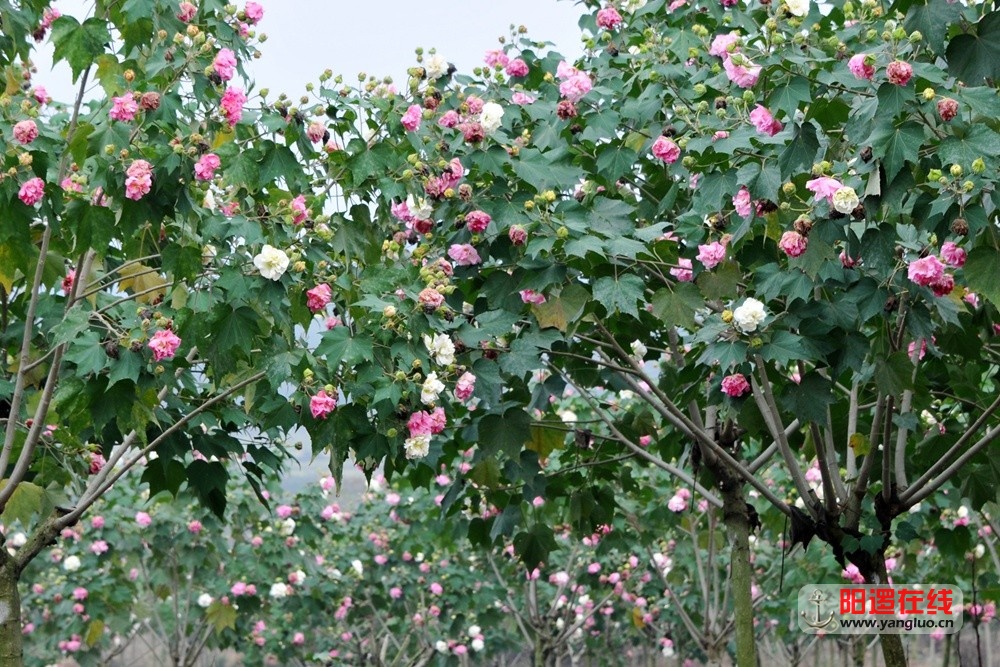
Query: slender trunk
pixel 893 653
pixel 11 649
pixel 738 526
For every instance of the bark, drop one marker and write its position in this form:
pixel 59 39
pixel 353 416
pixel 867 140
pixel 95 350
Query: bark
pixel 11 649
pixel 893 653
pixel 737 522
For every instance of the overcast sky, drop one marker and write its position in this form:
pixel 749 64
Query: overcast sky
pixel 304 37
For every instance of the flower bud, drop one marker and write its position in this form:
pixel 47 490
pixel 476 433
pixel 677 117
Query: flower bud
pixel 389 312
pixel 934 175
pixel 956 170
pixel 727 316
pixel 788 188
pixel 978 166
pixel 928 94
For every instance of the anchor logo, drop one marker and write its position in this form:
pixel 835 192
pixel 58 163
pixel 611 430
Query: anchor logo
pixel 817 598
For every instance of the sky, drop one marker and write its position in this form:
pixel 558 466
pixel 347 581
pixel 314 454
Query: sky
pixel 305 37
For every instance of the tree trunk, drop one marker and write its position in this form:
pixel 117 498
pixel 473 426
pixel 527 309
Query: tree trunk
pixel 737 522
pixel 11 649
pixel 892 645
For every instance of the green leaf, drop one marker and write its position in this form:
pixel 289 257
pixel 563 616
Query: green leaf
pixel 339 345
pixel 933 20
pixel 677 306
pixel 235 331
pixel 613 161
pixel 562 310
pixel 788 97
pixel 543 171
pixel 88 354
pixel 982 273
pixel 221 616
pixel 784 347
pixel 896 145
pixel 722 282
pixel 975 59
pixel 809 399
pixel 505 523
pixel 506 433
pixel 279 162
pixel 544 440
pixel 79 45
pixel 620 294
pixel 979 142
pixel 800 153
pixel 24 503
pixel 535 545
pixel 126 367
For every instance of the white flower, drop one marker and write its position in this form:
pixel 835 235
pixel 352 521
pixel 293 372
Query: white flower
pixel 420 208
pixel 18 540
pixel 441 348
pixel 668 651
pixel 475 631
pixel 298 577
pixel 418 446
pixel 633 5
pixel 638 349
pixel 749 316
pixel 963 512
pixel 845 200
pixel 271 262
pixel 441 646
pixel 288 526
pixel 209 201
pixel 279 590
pixel 568 416
pixel 431 389
pixel 478 645
pixel 798 7
pixel 208 253
pixel 980 550
pixel 490 117
pixel 71 564
pixel 419 557
pixel 436 66
pixel 358 567
pixel 205 600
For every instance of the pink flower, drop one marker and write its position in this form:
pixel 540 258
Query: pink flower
pixel 925 271
pixel 164 344
pixel 735 385
pixel 97 522
pixel 593 568
pixel 947 108
pixel 645 440
pixel 522 99
pixel 449 119
pixel 465 386
pixel 608 18
pixel 575 87
pixel 853 574
pixel 204 168
pixel 25 131
pixel 186 12
pixel 517 235
pixel 477 221
pixel 953 255
pixel 99 547
pixel 723 45
pixel 254 12
pixel 531 296
pixel 238 589
pixel 496 58
pixel 395 592
pixel 741 202
pixel 793 243
pixel 711 254
pixel 298 639
pixel 143 519
pixel 517 67
pixel 411 119
pixel 823 187
pixel 32 191
pixel 677 503
pixel 283 511
pixel 665 149
pixel 318 297
pixel 299 210
pixel 565 71
pixel 683 271
pixel 899 72
pixel 123 108
pixel 232 105
pixel 744 75
pixel 316 131
pixel 464 254
pixel 436 588
pixel 430 298
pixel 943 285
pixel 225 64
pixel 322 404
pixel 194 527
pixel 765 122
pixel 97 463
pixel 69 185
pixel 862 66
pixel 138 179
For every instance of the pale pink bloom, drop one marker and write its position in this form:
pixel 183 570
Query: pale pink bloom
pixel 464 254
pixel 665 149
pixel 232 105
pixel 793 243
pixel 608 18
pixel 517 235
pixel 953 255
pixel 575 87
pixel 735 385
pixel 465 386
pixel 594 568
pixel 972 299
pixel 496 58
pixel 395 592
pixel 322 405
pixel 824 187
pixel 683 271
pixel 194 526
pixel 298 639
pixel 741 202
pixel 853 574
pixel 517 67
pixel 143 519
pixel 813 474
pixel 711 254
pixel 32 191
pixel 522 99
pixel 411 119
pixel 41 95
pixel 847 261
pixel 186 12
pixel 318 297
pixel 723 45
pixel 436 589
pixel 254 12
pixel 164 344
pixel 138 179
pixel 69 185
pixel 299 210
pixel 645 440
pixel 283 511
pixel 123 108
pixel 99 547
pixel 449 119
pixel 720 134
pixel 477 221
pixel 25 131
pixel 925 271
pixel 764 121
pixel 859 67
pixel 564 70
pixel 744 75
pixel 316 131
pixel 899 72
pixel 531 296
pixel 97 462
pixel 204 168
pixel 225 64
pixel 677 503
pixel 97 522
